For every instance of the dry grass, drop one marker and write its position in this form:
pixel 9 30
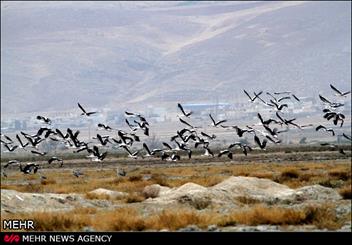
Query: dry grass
pixel 320 216
pixel 135 178
pixel 132 219
pixel 174 220
pixel 247 200
pixel 134 197
pixel 122 219
pixel 92 196
pixel 260 214
pixel 333 174
pixel 346 192
pixel 340 174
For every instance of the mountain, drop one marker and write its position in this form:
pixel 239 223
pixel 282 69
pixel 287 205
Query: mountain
pixel 133 54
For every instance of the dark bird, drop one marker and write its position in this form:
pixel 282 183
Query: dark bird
pixel 326 129
pixel 84 111
pixel 229 154
pixel 56 159
pixel 274 132
pixel 287 121
pixel 10 163
pixel 131 114
pixel 164 156
pixel 296 98
pixel 347 137
pixel 240 131
pixel 38 153
pixel 342 151
pixel 332 104
pixel 183 111
pixel 184 122
pixel 103 141
pixel 11 148
pixel 267 122
pixel 208 152
pixel 339 92
pixel 243 146
pixel 252 99
pixel 133 155
pixel 61 134
pixel 215 124
pixel 174 157
pixel 7 138
pixel 100 157
pixel 284 98
pixel 260 144
pixel 121 172
pixel 103 126
pixel 278 106
pixel 132 127
pixel 44 119
pixel 77 173
pixel 213 136
pixel 285 92
pixel 336 116
pixel 29 168
pixel 167 145
pixel 150 153
pixel 20 141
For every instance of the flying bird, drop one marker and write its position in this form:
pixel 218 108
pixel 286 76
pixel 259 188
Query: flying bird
pixel 84 111
pixel 21 143
pixel 29 168
pixel 252 99
pixel 11 148
pixel 208 152
pixel 56 159
pixel 215 124
pixel 213 136
pixel 296 98
pixel 38 153
pixel 260 144
pixel 332 104
pixel 150 153
pixel 339 92
pixel 103 126
pixel 10 163
pixel 229 154
pixel 183 111
pixel 347 137
pixel 184 122
pixel 326 129
pixel 44 119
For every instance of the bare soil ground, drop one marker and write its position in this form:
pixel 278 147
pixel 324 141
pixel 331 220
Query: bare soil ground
pixel 65 203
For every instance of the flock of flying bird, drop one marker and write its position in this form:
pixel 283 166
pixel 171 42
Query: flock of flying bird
pixel 184 140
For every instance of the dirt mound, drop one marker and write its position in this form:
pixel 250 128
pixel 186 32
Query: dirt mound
pixel 17 202
pixel 109 193
pixel 232 192
pixel 235 189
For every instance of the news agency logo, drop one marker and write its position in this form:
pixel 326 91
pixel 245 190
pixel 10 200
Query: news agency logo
pixel 17 224
pixel 12 238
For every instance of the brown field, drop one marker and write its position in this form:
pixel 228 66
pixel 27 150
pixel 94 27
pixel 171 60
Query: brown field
pixel 329 173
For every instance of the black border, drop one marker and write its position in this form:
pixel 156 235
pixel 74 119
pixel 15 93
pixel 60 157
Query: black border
pixel 196 237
